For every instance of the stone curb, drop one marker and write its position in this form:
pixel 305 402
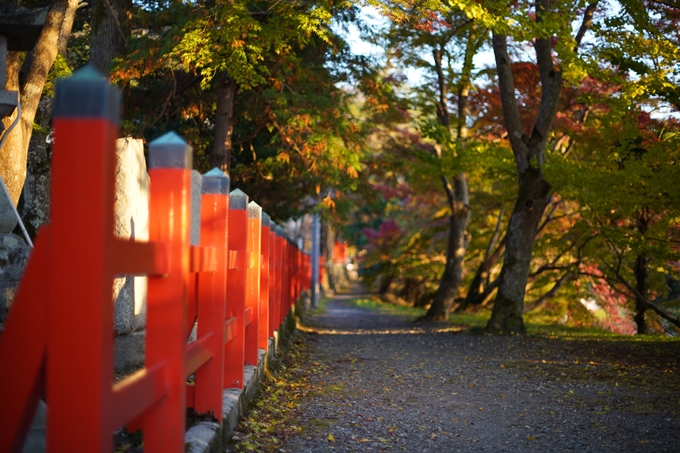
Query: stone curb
pixel 210 437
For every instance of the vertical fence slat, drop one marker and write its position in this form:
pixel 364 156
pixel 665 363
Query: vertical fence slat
pixel 212 292
pixel 264 332
pixel 273 281
pixel 79 362
pixel 166 327
pixel 253 281
pixel 281 260
pixel 236 288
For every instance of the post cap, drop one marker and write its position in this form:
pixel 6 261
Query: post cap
pixel 266 220
pixel 87 94
pixel 254 210
pixel 238 199
pixel 279 231
pixel 170 151
pixel 215 182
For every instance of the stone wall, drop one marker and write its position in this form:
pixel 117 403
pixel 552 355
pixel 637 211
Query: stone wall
pixel 14 253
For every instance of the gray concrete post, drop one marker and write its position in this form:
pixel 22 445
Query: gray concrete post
pixel 316 249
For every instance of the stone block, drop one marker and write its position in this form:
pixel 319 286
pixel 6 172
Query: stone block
pixel 36 193
pixel 128 351
pixel 14 253
pixel 35 441
pixel 8 220
pixel 131 208
pixel 200 438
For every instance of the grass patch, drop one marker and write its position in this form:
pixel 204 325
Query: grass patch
pixel 375 303
pixel 541 327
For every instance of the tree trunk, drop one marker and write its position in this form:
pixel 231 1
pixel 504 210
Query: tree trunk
pixel 67 26
pixel 457 196
pixel 109 32
pixel 36 192
pixel 13 152
pixel 481 277
pixel 533 197
pixel 455 252
pixel 643 218
pixel 529 153
pixel 385 283
pixel 35 69
pixel 220 156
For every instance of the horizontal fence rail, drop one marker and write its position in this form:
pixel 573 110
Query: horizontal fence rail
pixel 238 286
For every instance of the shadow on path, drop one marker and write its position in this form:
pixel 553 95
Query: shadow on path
pixel 340 317
pixel 383 382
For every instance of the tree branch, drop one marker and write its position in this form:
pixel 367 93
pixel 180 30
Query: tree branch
pixel 551 83
pixel 442 103
pixel 506 85
pixel 117 22
pixel 494 237
pixel 482 297
pixel 551 293
pixel 586 23
pixel 450 196
pixel 653 306
pixel 668 3
pixel 549 217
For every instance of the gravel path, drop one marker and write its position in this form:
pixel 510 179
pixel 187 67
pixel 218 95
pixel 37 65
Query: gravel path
pixel 384 382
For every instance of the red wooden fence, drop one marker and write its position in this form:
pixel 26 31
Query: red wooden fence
pixel 240 284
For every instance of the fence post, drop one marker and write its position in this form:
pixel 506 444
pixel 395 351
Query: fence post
pixel 290 275
pixel 264 332
pixel 316 252
pixel 80 322
pixel 297 263
pixel 236 288
pixel 253 281
pixel 170 162
pixel 212 292
pixel 281 285
pixel 274 278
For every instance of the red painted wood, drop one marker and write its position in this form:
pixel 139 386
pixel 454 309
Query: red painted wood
pixel 167 302
pixel 212 299
pixel 138 392
pixel 249 274
pixel 81 227
pixel 264 331
pixel 130 257
pixel 253 289
pixel 281 260
pixel 273 284
pixel 236 298
pixel 199 352
pixel 229 330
